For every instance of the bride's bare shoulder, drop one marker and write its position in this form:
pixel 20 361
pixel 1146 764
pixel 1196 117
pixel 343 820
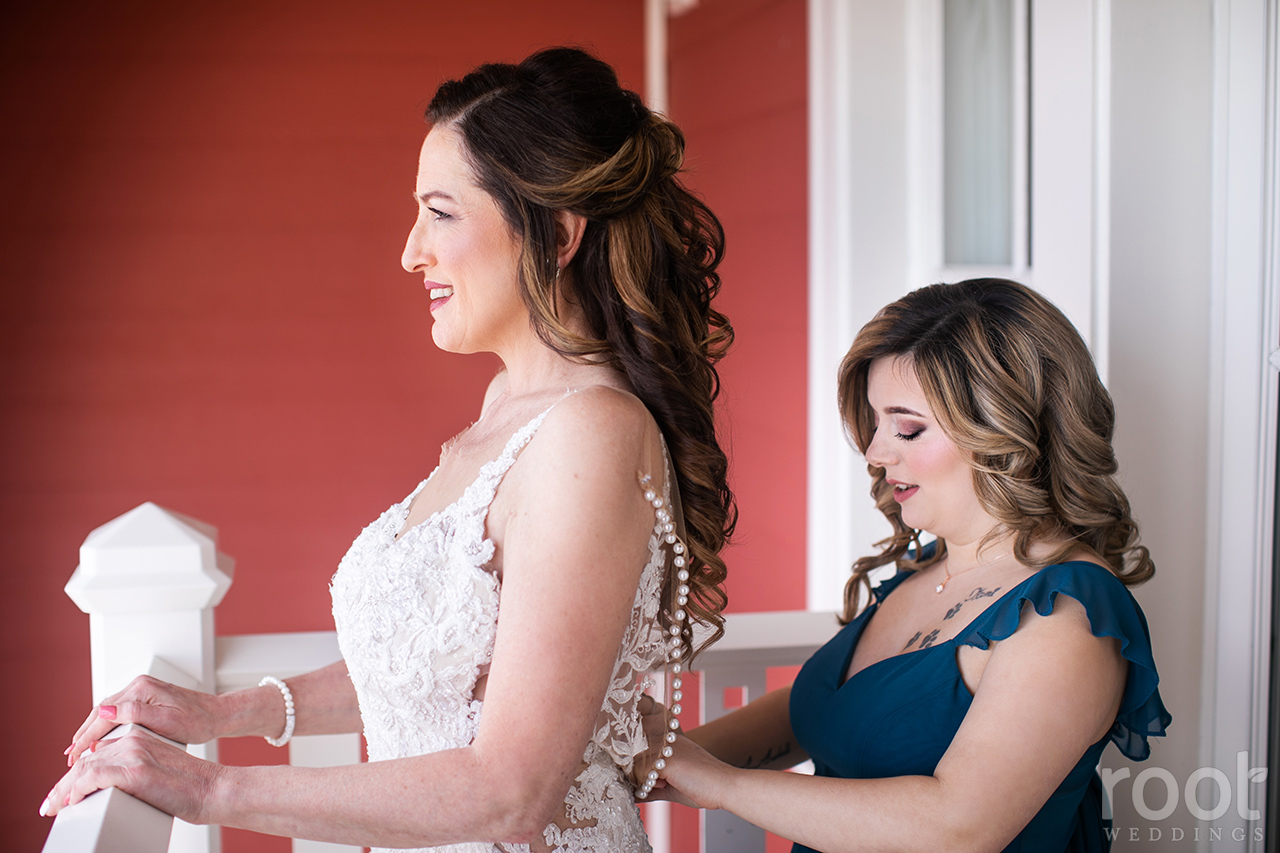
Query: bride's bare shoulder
pixel 599 431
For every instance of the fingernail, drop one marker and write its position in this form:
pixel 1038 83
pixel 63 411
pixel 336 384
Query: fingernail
pixel 107 712
pixel 44 808
pixel 67 751
pixel 67 801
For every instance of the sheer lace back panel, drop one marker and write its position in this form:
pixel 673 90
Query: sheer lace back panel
pixel 416 619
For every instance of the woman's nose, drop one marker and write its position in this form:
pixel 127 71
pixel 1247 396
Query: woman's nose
pixel 879 453
pixel 416 255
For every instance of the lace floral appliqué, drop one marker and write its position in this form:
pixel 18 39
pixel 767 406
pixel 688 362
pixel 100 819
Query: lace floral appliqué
pixel 416 619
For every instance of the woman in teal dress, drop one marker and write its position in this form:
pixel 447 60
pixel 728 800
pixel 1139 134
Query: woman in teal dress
pixel 966 701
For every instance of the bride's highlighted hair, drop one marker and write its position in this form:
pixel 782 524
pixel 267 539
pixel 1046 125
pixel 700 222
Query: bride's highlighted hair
pixel 1011 382
pixel 558 132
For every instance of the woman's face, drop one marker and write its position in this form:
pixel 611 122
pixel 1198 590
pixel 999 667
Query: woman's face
pixel 468 256
pixel 930 475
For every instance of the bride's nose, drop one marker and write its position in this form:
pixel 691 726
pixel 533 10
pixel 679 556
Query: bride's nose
pixel 417 254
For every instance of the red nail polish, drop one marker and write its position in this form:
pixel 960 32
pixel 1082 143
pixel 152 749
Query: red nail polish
pixel 107 712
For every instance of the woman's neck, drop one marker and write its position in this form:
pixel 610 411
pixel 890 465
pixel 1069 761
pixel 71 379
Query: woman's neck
pixel 534 367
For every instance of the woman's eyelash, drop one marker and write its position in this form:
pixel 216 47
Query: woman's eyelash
pixel 909 436
pixel 439 214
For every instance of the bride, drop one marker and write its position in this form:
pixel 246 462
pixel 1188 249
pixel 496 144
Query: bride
pixel 499 624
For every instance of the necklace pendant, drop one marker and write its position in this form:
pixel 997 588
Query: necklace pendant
pixel 938 589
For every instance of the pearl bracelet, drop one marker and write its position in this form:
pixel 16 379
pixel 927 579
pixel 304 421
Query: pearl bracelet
pixel 288 710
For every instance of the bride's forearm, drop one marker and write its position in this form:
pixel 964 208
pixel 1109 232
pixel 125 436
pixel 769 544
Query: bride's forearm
pixel 441 798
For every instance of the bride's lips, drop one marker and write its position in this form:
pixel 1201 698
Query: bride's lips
pixel 440 294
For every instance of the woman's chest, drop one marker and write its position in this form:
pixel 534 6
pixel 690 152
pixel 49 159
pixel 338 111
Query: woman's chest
pixel 917 616
pixel 427 594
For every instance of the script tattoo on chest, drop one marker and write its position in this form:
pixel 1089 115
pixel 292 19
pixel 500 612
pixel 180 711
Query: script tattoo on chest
pixel 977 594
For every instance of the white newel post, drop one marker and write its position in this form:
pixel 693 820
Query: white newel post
pixel 149 581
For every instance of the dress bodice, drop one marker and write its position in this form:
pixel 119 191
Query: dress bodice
pixel 899 715
pixel 417 618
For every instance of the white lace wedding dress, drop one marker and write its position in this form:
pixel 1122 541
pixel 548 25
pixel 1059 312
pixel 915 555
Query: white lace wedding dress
pixel 416 620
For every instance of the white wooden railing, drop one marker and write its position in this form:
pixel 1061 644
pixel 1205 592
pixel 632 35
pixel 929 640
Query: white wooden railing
pixel 150 581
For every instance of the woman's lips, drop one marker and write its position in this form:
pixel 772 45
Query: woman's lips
pixel 439 294
pixel 902 491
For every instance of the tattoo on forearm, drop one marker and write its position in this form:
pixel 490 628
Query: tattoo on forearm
pixel 770 756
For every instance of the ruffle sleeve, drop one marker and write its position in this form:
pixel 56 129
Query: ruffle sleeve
pixel 1112 612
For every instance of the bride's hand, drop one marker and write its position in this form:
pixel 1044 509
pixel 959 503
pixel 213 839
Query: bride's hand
pixel 187 716
pixel 141 765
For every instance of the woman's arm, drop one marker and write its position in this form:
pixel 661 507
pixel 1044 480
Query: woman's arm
pixel 325 703
pixel 574 543
pixel 756 736
pixel 1048 693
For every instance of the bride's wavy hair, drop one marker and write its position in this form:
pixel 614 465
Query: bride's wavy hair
pixel 1011 382
pixel 557 132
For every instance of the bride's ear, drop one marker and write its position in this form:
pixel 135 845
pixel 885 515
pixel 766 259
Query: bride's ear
pixel 569 228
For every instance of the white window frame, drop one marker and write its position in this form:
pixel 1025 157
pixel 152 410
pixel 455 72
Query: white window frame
pixel 867 148
pixel 1243 362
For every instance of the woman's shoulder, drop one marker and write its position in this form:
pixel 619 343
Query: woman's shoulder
pixel 1109 611
pixel 1110 607
pixel 602 413
pixel 598 428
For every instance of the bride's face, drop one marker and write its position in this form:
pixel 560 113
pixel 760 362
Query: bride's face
pixel 467 254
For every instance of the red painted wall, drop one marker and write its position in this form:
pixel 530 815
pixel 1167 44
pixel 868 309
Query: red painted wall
pixel 201 302
pixel 738 89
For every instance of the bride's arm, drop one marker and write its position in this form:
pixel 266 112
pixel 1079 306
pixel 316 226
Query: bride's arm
pixel 574 545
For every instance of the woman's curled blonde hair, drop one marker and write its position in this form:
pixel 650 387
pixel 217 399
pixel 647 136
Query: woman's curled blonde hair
pixel 1011 382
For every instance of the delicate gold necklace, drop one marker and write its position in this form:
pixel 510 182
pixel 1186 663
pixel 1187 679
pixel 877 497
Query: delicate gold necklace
pixel 947 570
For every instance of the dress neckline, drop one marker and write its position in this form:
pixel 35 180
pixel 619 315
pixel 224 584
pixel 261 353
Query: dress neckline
pixel 485 472
pixel 872 608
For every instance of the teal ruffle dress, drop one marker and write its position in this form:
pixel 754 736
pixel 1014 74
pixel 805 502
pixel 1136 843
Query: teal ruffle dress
pixel 898 716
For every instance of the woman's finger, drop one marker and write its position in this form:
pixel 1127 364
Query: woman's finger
pixel 95 716
pixel 97 768
pixel 108 717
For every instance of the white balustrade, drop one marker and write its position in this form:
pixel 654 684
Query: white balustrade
pixel 150 581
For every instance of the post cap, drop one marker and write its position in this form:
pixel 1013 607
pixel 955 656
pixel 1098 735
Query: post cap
pixel 150 560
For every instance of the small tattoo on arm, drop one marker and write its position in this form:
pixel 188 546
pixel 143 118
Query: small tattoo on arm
pixel 953 611
pixel 912 641
pixel 929 638
pixel 770 756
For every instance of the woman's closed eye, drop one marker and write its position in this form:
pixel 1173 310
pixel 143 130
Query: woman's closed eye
pixel 910 435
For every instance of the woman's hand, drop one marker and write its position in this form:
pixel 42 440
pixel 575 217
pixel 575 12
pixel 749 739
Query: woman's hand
pixel 141 765
pixel 690 776
pixel 187 716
